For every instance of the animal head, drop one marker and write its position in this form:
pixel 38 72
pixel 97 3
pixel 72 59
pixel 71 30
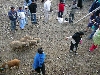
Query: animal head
pixel 4 65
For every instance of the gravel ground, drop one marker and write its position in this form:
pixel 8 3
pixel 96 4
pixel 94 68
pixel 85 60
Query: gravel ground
pixel 58 59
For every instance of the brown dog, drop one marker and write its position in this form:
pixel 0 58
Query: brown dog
pixel 11 64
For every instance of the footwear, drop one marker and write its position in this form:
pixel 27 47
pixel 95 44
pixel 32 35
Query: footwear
pixel 70 51
pixel 85 31
pixel 75 53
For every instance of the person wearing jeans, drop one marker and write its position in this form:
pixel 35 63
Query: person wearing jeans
pixel 32 8
pixel 13 17
pixel 13 25
pixel 33 18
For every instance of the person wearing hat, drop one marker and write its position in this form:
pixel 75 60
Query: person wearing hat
pixel 13 17
pixel 76 39
pixel 27 14
pixel 38 64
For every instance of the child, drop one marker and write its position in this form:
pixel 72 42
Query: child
pixel 76 39
pixel 21 15
pixel 27 14
pixel 61 9
pixel 72 12
pixel 39 59
pixel 96 40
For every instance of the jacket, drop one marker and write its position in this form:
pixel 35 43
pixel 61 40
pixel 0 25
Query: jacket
pixel 38 60
pixel 95 5
pixel 32 7
pixel 12 15
pixel 77 37
pixel 47 5
pixel 61 7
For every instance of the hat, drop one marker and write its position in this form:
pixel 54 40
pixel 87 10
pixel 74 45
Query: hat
pixel 26 7
pixel 40 51
pixel 81 33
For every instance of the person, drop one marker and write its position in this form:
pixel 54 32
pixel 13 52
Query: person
pixel 47 5
pixel 76 39
pixel 32 8
pixel 27 14
pixel 96 23
pixel 90 24
pixel 96 40
pixel 21 18
pixel 80 4
pixel 39 59
pixel 95 5
pixel 13 17
pixel 72 12
pixel 61 9
pixel 42 1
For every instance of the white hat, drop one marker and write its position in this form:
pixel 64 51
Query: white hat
pixel 26 7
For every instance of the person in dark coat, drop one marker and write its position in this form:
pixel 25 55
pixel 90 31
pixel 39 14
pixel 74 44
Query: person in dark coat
pixel 76 39
pixel 32 8
pixel 95 5
pixel 80 4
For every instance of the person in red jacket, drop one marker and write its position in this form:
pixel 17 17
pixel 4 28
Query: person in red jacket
pixel 61 9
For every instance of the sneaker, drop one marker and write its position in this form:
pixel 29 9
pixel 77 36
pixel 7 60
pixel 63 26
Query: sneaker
pixel 70 51
pixel 75 53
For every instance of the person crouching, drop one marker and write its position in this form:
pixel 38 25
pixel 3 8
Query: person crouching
pixel 39 59
pixel 76 39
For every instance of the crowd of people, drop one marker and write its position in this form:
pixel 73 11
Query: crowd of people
pixel 30 9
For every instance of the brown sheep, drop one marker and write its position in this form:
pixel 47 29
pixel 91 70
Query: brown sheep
pixel 11 64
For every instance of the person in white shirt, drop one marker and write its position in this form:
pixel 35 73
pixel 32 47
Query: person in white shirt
pixel 47 5
pixel 21 17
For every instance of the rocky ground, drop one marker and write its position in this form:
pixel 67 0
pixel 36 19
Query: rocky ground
pixel 58 59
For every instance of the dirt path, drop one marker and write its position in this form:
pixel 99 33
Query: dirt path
pixel 59 61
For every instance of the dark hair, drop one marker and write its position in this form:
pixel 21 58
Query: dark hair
pixel 81 33
pixel 12 7
pixel 40 50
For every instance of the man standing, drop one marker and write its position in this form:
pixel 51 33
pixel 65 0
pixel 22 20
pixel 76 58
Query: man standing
pixel 13 17
pixel 47 5
pixel 32 8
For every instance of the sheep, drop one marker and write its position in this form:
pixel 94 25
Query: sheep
pixel 38 39
pixel 18 45
pixel 32 42
pixel 25 38
pixel 10 64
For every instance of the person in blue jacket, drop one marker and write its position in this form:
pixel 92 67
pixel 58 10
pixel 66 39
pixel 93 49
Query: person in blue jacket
pixel 95 5
pixel 38 64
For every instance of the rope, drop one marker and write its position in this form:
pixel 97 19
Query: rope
pixel 87 15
